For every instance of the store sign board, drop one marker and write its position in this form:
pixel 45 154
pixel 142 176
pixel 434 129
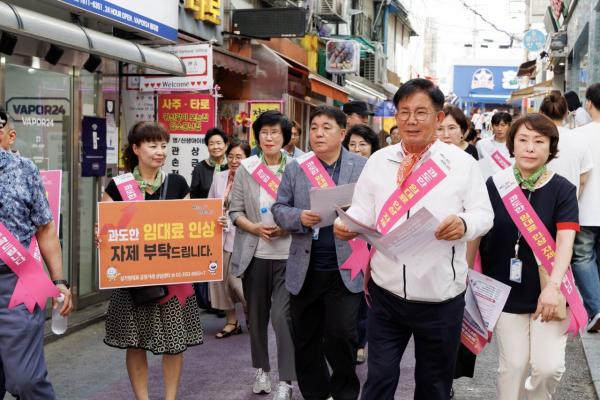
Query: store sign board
pixel 342 56
pixel 38 111
pixel 495 81
pixel 534 40
pixel 143 16
pixel 198 60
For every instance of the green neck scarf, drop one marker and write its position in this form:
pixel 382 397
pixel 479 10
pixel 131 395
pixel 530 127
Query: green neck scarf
pixel 282 163
pixel 529 183
pixel 143 184
pixel 216 165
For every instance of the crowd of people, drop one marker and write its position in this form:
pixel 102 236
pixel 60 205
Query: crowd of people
pixel 284 270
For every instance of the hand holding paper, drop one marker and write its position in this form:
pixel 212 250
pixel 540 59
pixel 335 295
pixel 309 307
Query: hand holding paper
pixel 324 201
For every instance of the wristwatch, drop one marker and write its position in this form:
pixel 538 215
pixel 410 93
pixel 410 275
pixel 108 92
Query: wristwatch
pixel 62 282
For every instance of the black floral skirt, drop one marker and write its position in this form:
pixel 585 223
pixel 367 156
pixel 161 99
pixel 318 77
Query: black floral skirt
pixel 160 328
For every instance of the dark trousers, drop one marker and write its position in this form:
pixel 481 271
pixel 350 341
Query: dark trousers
pixel 436 330
pixel 324 318
pixel 22 365
pixel 362 323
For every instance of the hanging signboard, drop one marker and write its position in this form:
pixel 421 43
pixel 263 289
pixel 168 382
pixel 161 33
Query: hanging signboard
pixel 198 62
pixel 342 56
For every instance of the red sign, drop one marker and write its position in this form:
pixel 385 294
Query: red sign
pixel 186 112
pixel 557 6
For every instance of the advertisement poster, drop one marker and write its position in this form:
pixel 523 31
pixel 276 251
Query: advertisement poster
pixel 255 108
pixel 187 117
pixel 198 60
pixel 160 242
pixel 342 56
pixel 186 112
pixel 93 146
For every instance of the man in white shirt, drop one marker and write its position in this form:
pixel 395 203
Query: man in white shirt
pixel 500 126
pixel 587 242
pixel 408 299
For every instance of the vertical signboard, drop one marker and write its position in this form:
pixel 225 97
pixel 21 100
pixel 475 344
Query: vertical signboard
pixel 187 117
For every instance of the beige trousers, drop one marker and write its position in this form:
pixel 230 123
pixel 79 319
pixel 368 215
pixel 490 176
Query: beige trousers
pixel 224 294
pixel 531 351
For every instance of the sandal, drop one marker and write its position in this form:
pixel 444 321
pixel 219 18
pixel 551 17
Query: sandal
pixel 235 331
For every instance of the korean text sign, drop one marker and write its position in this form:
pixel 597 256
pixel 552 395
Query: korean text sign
pixel 186 112
pixel 160 242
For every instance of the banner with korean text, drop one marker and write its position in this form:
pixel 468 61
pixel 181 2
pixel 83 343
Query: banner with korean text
pixel 187 117
pixel 160 242
pixel 257 107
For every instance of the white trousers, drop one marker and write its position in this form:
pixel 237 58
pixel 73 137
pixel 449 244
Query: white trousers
pixel 524 345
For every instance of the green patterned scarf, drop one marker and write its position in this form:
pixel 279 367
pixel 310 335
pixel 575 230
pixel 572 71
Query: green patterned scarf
pixel 282 163
pixel 216 165
pixel 143 184
pixel 529 183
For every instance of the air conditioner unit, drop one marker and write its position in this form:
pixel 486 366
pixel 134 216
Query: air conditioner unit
pixel 368 67
pixel 331 11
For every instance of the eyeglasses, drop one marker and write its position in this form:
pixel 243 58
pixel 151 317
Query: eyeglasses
pixel 420 115
pixel 273 134
pixel 236 158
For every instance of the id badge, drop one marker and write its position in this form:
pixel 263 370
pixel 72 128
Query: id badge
pixel 516 268
pixel 315 234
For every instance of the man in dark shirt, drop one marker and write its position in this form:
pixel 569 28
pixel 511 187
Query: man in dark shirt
pixel 324 299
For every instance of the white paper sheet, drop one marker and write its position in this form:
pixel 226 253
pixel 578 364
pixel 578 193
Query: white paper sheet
pixel 490 295
pixel 367 233
pixel 324 202
pixel 413 242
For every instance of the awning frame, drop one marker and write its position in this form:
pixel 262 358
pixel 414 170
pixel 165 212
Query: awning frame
pixel 29 23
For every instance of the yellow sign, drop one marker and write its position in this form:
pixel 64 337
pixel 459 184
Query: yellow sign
pixel 255 108
pixel 205 10
pixel 389 123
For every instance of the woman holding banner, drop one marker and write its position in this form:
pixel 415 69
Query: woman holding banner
pixel 533 207
pixel 224 294
pixel 260 251
pixel 139 326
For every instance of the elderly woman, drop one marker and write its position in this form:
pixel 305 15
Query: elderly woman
pixel 168 328
pixel 453 128
pixel 361 139
pixel 529 336
pixel 204 171
pixel 260 252
pixel 226 293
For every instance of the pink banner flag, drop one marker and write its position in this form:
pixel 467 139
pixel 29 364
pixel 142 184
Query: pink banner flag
pixel 262 175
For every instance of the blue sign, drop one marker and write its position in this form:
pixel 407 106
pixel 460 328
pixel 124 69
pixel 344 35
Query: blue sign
pixel 93 146
pixel 157 21
pixel 534 40
pixel 485 83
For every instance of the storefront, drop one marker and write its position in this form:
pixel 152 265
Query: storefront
pixel 583 32
pixel 48 95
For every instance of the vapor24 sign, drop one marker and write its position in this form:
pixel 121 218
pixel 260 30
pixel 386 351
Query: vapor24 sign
pixel 160 242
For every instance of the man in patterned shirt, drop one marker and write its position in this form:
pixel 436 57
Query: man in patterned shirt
pixel 24 211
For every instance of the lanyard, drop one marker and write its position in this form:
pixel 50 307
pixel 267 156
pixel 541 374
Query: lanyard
pixel 519 235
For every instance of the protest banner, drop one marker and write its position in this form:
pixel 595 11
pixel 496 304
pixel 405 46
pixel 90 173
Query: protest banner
pixel 160 242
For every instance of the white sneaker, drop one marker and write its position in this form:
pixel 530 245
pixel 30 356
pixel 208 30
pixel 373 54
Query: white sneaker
pixel 262 382
pixel 284 392
pixel 594 324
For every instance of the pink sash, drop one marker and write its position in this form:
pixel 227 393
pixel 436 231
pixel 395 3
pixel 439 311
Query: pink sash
pixel 500 160
pixel 33 285
pixel 262 175
pixel 319 178
pixel 130 191
pixel 540 241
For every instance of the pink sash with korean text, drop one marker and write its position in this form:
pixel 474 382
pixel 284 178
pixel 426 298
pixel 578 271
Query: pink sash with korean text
pixel 262 175
pixel 130 191
pixel 500 160
pixel 319 178
pixel 540 241
pixel 33 285
pixel 420 182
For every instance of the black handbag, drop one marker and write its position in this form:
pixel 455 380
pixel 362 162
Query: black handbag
pixel 150 294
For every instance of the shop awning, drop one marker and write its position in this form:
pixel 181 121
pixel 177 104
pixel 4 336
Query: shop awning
pixel 22 21
pixel 527 68
pixel 235 63
pixel 361 89
pixel 325 87
pixel 540 89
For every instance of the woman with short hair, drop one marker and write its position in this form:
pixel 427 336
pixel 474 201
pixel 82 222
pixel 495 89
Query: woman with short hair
pixel 167 329
pixel 260 252
pixel 453 128
pixel 203 173
pixel 361 139
pixel 531 343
